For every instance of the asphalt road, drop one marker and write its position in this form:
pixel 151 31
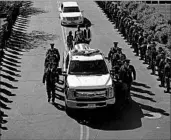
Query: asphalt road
pixel 31 117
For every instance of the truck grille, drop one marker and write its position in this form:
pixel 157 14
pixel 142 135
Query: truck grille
pixel 72 18
pixel 91 95
pixel 91 99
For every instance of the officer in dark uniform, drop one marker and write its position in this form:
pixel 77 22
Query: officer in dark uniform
pixel 122 56
pixel 141 44
pixel 167 74
pixel 143 49
pixel 49 77
pixel 79 35
pixel 153 58
pixel 126 76
pixel 113 50
pixel 70 40
pixel 87 34
pixel 53 53
pixel 135 40
pixel 161 69
pixel 158 58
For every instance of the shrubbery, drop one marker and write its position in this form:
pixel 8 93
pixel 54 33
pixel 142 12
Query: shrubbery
pixel 152 21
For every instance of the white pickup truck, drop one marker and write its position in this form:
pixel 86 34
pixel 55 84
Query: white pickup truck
pixel 87 80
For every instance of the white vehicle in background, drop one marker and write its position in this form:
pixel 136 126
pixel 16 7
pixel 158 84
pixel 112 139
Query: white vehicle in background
pixel 70 13
pixel 87 80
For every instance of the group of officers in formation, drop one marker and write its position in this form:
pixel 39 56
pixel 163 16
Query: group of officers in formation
pixel 143 44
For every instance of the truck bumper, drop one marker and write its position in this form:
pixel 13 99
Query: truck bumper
pixel 89 105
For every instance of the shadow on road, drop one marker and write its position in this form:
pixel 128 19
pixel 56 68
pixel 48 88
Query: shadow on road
pixel 9 66
pixel 142 97
pixel 153 109
pixel 111 118
pixel 135 83
pixel 139 90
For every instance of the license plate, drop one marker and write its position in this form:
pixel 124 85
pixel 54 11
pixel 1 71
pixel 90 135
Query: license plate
pixel 91 105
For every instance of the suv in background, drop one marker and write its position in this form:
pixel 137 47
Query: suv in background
pixel 70 13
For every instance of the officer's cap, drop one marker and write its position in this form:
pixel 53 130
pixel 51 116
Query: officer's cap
pixel 127 61
pixel 70 32
pixel 52 44
pixel 115 43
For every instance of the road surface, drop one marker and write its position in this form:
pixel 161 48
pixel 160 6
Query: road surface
pixel 31 117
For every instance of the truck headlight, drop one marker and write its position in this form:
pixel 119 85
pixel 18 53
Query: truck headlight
pixel 71 94
pixel 110 92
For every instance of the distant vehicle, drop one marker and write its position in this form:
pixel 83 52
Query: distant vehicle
pixel 70 13
pixel 87 80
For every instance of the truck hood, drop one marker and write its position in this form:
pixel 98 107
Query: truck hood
pixel 74 14
pixel 89 81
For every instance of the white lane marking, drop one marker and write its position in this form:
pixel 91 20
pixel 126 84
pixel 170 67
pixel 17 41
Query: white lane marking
pixel 87 133
pixel 81 132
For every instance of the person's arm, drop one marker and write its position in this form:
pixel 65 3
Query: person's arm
pixel 133 71
pixel 58 54
pixel 44 77
pixel 90 34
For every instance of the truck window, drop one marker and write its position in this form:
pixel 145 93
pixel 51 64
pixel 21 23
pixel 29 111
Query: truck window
pixel 88 67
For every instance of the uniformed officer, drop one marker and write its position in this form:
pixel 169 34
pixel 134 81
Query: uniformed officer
pixel 49 77
pixel 70 40
pixel 143 49
pixel 113 55
pixel 53 53
pixel 158 58
pixel 161 69
pixel 153 58
pixel 122 56
pixel 167 74
pixel 126 76
pixel 112 51
pixel 87 34
pixel 79 35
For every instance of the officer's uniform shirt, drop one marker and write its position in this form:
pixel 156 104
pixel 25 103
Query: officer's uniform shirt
pixel 126 74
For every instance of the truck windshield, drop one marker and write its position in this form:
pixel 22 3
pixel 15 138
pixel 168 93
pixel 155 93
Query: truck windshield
pixel 71 9
pixel 88 67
